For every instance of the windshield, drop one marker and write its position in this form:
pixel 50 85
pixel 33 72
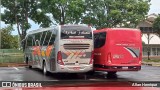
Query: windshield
pixel 68 32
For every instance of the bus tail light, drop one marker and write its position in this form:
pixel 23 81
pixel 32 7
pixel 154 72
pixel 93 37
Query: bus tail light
pixel 91 60
pixel 109 58
pixel 59 58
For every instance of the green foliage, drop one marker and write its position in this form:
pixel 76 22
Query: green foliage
pixel 20 11
pixel 152 60
pixel 8 41
pixel 156 25
pixel 99 13
pixel 8 56
pixel 143 43
pixel 113 13
pixel 64 11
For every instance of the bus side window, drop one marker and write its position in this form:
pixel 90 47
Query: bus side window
pixel 99 39
pixel 47 37
pixel 33 40
pixel 96 37
pixel 102 39
pixel 44 34
pixel 37 43
pixel 37 38
pixel 29 41
pixel 52 39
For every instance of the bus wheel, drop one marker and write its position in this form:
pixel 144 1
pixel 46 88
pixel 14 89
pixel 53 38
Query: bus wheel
pixel 112 73
pixel 91 73
pixel 44 68
pixel 29 66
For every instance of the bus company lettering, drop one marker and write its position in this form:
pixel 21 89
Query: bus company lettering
pixel 123 44
pixel 117 56
pixel 77 32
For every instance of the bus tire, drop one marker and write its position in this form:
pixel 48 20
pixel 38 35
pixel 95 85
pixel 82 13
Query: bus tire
pixel 45 72
pixel 29 66
pixel 27 60
pixel 112 73
pixel 91 73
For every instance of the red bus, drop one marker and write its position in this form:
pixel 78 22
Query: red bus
pixel 117 49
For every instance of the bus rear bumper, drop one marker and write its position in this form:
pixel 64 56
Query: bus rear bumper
pixel 74 69
pixel 117 68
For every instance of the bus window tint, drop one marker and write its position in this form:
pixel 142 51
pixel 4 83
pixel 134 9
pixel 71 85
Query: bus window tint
pixel 43 37
pixel 102 39
pixel 29 41
pixel 47 37
pixel 37 38
pixel 99 39
pixel 52 39
pixel 96 36
pixel 76 32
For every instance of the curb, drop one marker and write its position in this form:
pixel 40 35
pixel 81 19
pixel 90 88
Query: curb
pixel 151 64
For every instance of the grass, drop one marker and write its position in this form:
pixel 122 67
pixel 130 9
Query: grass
pixel 11 59
pixel 152 59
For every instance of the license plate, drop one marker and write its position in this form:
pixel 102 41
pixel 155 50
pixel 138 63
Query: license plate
pixel 76 68
pixel 124 67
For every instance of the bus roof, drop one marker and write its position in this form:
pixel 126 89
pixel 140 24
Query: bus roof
pixel 39 30
pixel 50 28
pixel 85 25
pixel 111 29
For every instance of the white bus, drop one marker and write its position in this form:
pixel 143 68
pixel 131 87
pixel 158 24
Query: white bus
pixel 60 49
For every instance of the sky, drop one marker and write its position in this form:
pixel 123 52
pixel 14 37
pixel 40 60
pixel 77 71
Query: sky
pixel 154 8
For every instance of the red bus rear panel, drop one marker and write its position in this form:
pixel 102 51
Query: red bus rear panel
pixel 117 49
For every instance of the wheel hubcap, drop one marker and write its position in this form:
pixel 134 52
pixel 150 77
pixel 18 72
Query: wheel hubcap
pixel 44 69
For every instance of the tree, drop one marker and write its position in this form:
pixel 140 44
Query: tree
pixel 103 13
pixel 156 25
pixel 113 13
pixel 8 41
pixel 20 11
pixel 64 11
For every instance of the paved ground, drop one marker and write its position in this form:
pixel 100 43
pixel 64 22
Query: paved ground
pixel 148 73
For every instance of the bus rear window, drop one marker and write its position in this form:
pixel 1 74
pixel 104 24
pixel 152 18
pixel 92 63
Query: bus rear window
pixel 69 32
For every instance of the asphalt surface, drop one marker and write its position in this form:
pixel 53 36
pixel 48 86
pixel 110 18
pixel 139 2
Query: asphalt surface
pixel 147 73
